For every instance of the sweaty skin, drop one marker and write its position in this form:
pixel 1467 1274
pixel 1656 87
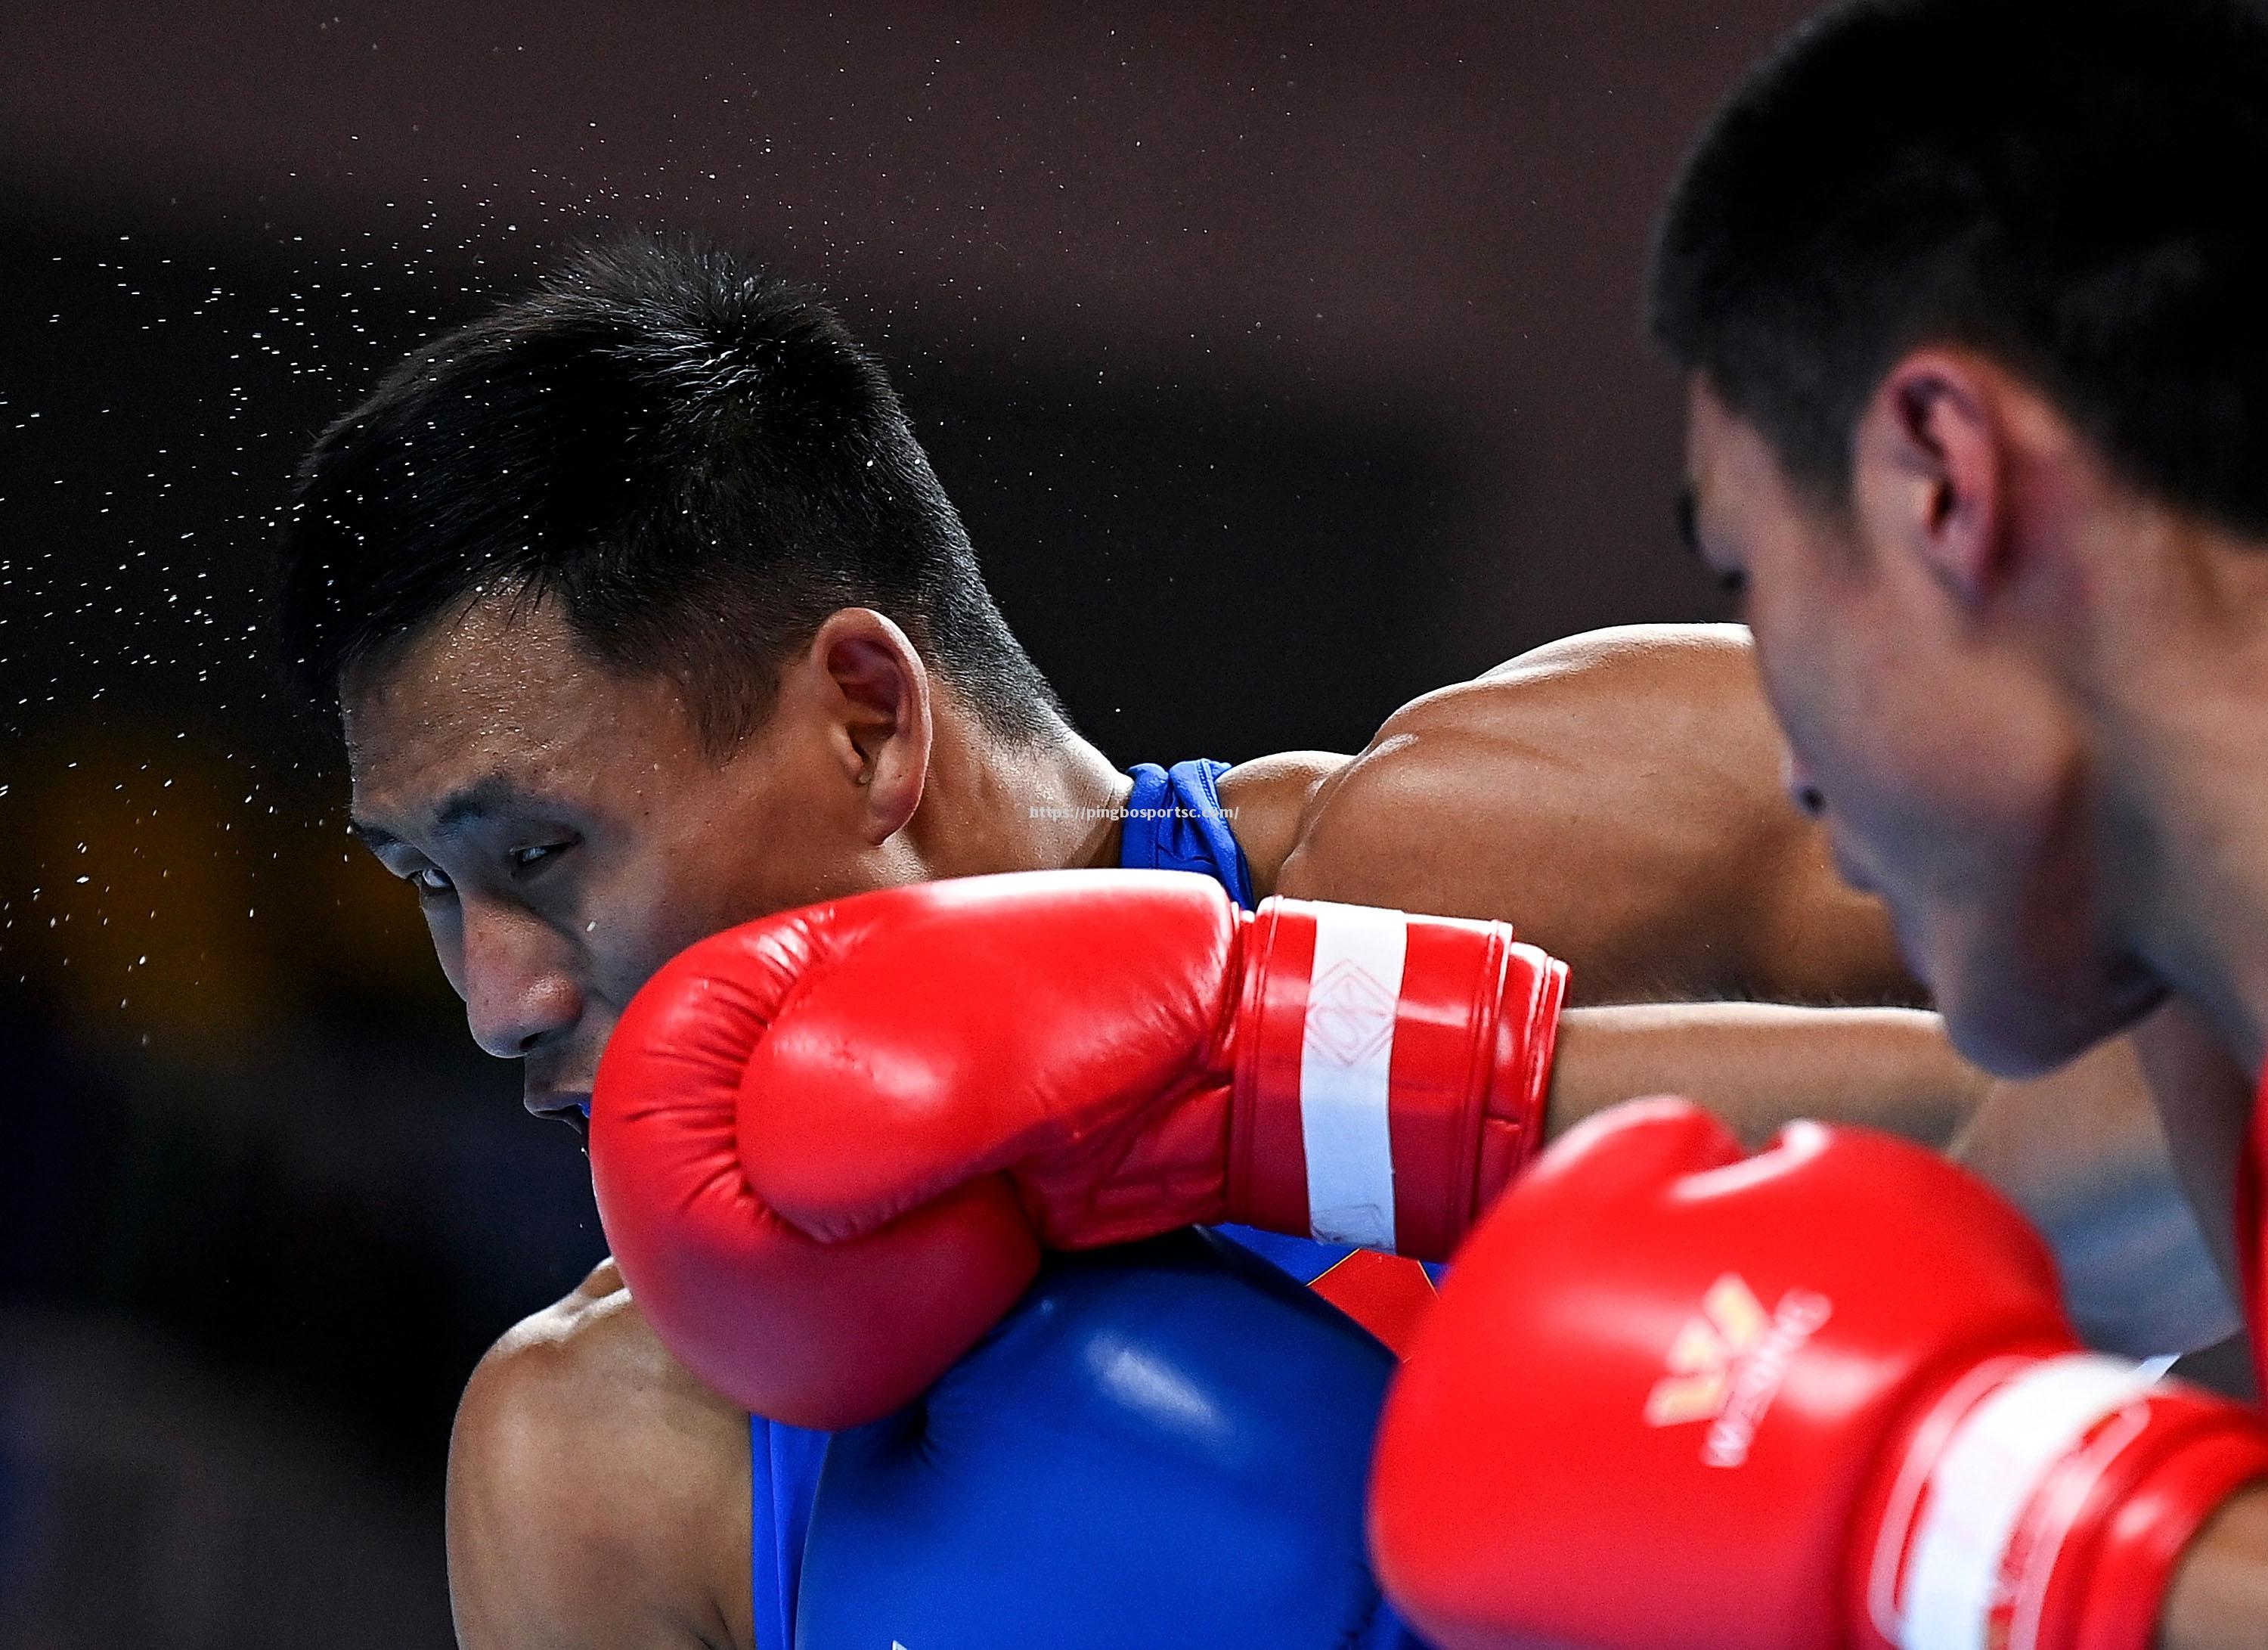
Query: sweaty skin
pixel 1618 796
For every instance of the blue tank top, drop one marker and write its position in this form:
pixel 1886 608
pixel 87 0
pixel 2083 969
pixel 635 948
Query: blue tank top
pixel 1174 822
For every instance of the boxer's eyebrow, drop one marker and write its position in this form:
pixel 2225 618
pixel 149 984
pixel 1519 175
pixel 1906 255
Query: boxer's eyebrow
pixel 374 837
pixel 491 794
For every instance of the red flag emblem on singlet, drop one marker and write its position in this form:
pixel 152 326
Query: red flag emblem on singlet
pixel 1387 1295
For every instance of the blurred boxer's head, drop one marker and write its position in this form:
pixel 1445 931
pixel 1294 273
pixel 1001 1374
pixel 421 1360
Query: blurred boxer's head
pixel 1967 293
pixel 643 613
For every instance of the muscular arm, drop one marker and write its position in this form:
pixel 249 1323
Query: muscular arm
pixel 1617 797
pixel 1760 1065
pixel 598 1495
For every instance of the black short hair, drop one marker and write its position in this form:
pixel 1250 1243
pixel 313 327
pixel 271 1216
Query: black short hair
pixel 691 455
pixel 2077 189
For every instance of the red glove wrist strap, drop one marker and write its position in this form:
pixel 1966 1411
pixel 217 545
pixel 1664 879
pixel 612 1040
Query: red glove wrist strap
pixel 2046 1504
pixel 1391 1072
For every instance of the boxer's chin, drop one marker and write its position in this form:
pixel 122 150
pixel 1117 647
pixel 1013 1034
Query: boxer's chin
pixel 2018 1022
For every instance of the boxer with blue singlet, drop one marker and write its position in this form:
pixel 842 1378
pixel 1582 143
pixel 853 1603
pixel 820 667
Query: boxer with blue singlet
pixel 601 699
pixel 1171 820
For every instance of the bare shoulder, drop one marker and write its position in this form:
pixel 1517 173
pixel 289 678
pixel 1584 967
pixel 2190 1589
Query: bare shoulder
pixel 1274 802
pixel 1617 796
pixel 1629 696
pixel 1267 798
pixel 1639 653
pixel 597 1494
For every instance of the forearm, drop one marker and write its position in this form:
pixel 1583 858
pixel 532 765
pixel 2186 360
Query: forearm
pixel 2219 1596
pixel 1760 1065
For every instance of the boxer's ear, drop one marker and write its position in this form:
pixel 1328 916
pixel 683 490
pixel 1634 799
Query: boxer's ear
pixel 878 693
pixel 1930 470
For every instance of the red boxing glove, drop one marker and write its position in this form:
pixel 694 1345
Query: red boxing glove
pixel 1823 1396
pixel 829 1145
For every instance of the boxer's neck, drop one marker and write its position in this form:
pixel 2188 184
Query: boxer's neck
pixel 2183 749
pixel 990 807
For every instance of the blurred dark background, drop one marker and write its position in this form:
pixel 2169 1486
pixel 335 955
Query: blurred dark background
pixel 1284 359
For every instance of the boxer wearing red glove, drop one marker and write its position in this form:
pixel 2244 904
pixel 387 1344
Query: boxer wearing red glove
pixel 1674 1396
pixel 829 1146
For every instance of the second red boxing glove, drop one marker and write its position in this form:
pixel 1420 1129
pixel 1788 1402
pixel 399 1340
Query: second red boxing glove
pixel 1824 1397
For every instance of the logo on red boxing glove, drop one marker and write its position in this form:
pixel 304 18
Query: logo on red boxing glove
pixel 1727 1362
pixel 1350 1014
